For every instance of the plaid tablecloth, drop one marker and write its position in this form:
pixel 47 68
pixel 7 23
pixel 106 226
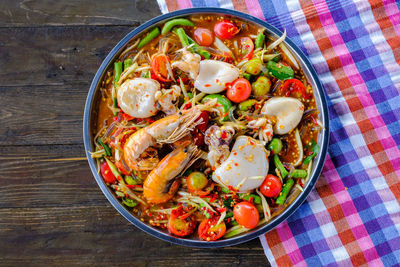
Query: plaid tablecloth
pixel 352 217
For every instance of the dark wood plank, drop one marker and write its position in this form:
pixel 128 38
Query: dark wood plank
pixel 100 12
pixel 53 209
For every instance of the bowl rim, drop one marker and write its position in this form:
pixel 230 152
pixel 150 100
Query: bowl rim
pixel 190 242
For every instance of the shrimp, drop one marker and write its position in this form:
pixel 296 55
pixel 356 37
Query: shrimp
pixel 264 126
pixel 164 131
pixel 160 185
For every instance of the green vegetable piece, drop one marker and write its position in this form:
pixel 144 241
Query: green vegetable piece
pixel 114 169
pixel 247 104
pixel 227 202
pixel 107 149
pixel 119 193
pixel 225 190
pixel 256 198
pixel 197 49
pixel 147 39
pixel 208 216
pixel 275 145
pixel 182 37
pixel 233 223
pixel 277 58
pixel 225 105
pixel 129 180
pixel 117 71
pixel 176 22
pixel 299 173
pixel 314 149
pixel 190 95
pixel 280 71
pixel 129 202
pixel 253 66
pixel 127 63
pixel 261 86
pixel 285 191
pixel 280 167
pixel 229 214
pixel 247 76
pixel 260 40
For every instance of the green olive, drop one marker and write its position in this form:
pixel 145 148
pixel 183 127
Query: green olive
pixel 254 66
pixel 261 86
pixel 196 181
pixel 247 104
pixel 275 145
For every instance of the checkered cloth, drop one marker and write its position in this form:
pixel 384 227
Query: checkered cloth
pixel 352 217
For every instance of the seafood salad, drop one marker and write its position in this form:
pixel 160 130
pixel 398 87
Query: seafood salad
pixel 206 127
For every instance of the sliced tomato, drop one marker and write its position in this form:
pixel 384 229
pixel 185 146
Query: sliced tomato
pixel 106 173
pixel 246 47
pixel 209 231
pixel 246 214
pixel 225 29
pixel 271 187
pixel 203 36
pixel 239 91
pixel 181 225
pixel 159 66
pixel 121 168
pixel 205 117
pixel 294 87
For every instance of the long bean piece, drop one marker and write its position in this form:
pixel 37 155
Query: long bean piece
pixel 260 40
pixel 176 22
pixel 182 36
pixel 280 167
pixel 285 191
pixel 153 34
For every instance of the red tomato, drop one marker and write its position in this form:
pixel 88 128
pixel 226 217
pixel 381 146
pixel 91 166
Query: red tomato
pixel 294 86
pixel 121 168
pixel 180 226
pixel 271 187
pixel 203 36
pixel 205 117
pixel 225 29
pixel 107 174
pixel 239 91
pixel 159 65
pixel 247 47
pixel 246 214
pixel 198 137
pixel 209 231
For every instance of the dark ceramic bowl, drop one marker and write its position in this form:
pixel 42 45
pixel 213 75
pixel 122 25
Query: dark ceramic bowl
pixel 90 113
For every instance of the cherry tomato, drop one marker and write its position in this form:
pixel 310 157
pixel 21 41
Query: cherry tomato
pixel 246 214
pixel 205 117
pixel 181 225
pixel 121 168
pixel 247 47
pixel 239 91
pixel 159 65
pixel 271 187
pixel 209 231
pixel 225 29
pixel 196 181
pixel 107 174
pixel 198 137
pixel 203 36
pixel 294 87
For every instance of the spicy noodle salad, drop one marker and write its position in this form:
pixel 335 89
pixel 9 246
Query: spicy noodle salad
pixel 206 127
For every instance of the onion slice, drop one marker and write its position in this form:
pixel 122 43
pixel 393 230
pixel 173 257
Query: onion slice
pixel 289 55
pixel 300 148
pixel 277 42
pixel 221 46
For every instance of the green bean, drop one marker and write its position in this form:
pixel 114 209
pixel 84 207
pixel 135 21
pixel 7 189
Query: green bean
pixel 225 190
pixel 117 71
pixel 114 169
pixel 280 167
pixel 115 106
pixel 152 34
pixel 256 199
pixel 196 48
pixel 107 149
pixel 129 202
pixel 285 191
pixel 175 22
pixel 182 36
pixel 275 145
pixel 299 173
pixel 127 63
pixel 314 149
pixel 260 40
pixel 129 180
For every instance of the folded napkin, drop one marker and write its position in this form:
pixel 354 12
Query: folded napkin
pixel 352 217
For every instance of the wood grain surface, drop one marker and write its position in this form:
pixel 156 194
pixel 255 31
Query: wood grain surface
pixel 51 209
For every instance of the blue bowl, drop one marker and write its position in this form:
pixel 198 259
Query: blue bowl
pixel 319 94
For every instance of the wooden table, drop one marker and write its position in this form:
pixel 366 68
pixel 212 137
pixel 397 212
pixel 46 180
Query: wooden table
pixel 51 209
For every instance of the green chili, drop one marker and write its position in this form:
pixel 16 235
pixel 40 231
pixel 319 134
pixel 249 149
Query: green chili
pixel 152 34
pixel 280 167
pixel 224 105
pixel 127 63
pixel 285 191
pixel 117 71
pixel 107 149
pixel 182 36
pixel 314 149
pixel 299 173
pixel 260 40
pixel 176 22
pixel 256 199
pixel 129 202
pixel 280 71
